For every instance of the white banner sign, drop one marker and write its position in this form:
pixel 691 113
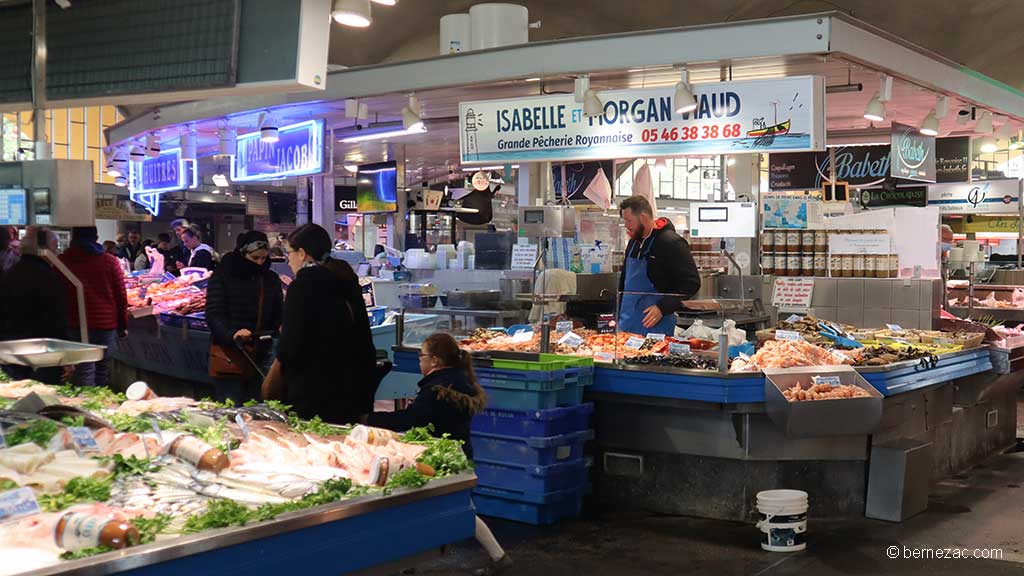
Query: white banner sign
pixel 785 114
pixel 859 244
pixel 988 197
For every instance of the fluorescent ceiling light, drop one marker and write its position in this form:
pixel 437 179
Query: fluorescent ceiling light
pixel 386 2
pixel 354 13
pixel 496 167
pixel 221 180
pixel 875 110
pixel 215 191
pixel 984 124
pixel 930 126
pixel 683 97
pixel 382 134
pixel 592 104
pixel 120 181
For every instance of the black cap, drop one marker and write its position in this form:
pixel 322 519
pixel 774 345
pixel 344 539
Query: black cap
pixel 84 234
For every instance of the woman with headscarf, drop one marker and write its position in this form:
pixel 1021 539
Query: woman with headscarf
pixel 326 361
pixel 243 302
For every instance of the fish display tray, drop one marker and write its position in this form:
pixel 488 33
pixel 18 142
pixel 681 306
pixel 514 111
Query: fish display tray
pixel 537 451
pixel 530 508
pixel 561 476
pixel 816 418
pixel 47 352
pixel 533 423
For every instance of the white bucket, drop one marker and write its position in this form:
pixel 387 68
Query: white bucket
pixel 783 519
pixel 456 34
pixel 496 24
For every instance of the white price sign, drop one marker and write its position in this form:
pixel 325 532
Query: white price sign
pixel 859 244
pixel 677 348
pixel 792 292
pixel 571 340
pixel 656 337
pixel 830 380
pixel 634 342
pixel 522 336
pixel 83 439
pixel 781 114
pixel 563 326
pixel 787 335
pixel 524 256
pixel 894 327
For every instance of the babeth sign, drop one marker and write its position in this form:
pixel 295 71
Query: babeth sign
pixel 784 114
pixel 911 154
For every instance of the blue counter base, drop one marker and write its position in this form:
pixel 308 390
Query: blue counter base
pixel 339 547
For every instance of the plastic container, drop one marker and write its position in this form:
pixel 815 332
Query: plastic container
pixel 531 508
pixel 376 314
pixel 495 24
pixel 521 379
pixel 783 520
pixel 533 423
pixel 561 476
pixel 537 451
pixel 513 399
pixel 456 34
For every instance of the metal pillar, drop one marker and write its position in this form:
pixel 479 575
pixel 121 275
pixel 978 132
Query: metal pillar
pixel 323 202
pixel 42 149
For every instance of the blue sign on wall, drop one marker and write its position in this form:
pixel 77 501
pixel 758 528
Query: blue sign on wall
pixel 299 151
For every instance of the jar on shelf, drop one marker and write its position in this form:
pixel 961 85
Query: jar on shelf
pixel 820 264
pixel 820 241
pixel 807 241
pixel 807 263
pixel 847 266
pixel 768 241
pixel 835 265
pixel 781 268
pixel 793 241
pixel 858 266
pixel 793 264
pixel 871 266
pixel 768 264
pixel 894 266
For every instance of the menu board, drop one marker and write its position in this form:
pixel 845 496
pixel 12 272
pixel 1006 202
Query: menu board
pixel 12 207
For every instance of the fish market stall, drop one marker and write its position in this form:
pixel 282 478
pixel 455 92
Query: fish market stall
pixel 92 482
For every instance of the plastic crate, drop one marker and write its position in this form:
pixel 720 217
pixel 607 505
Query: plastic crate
pixel 539 451
pixel 531 508
pixel 195 321
pixel 561 476
pixel 512 399
pixel 529 365
pixel 376 314
pixel 538 380
pixel 571 395
pixel 533 423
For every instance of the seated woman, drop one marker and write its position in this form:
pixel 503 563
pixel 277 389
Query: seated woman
pixel 449 393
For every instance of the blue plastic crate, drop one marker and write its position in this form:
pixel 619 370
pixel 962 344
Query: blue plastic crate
pixel 541 451
pixel 561 476
pixel 533 423
pixel 532 508
pixel 536 380
pixel 510 399
pixel 376 314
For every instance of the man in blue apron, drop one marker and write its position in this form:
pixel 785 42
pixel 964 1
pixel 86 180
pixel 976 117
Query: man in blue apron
pixel 658 261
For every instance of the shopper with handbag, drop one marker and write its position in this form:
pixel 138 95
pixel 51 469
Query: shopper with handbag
pixel 326 361
pixel 243 308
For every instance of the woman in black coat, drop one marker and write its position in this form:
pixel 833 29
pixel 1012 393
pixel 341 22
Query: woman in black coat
pixel 32 305
pixel 326 361
pixel 449 393
pixel 233 310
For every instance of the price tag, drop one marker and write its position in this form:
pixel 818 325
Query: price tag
pixel 18 502
pixel 830 380
pixel 523 256
pixel 787 335
pixel 83 439
pixel 571 340
pixel 943 341
pixel 634 342
pixel 678 348
pixel 243 425
pixel 894 327
pixel 794 318
pixel 656 337
pixel 522 336
pixel 563 326
pixel 604 357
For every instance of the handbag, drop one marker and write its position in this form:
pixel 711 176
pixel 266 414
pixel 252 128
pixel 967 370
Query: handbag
pixel 229 361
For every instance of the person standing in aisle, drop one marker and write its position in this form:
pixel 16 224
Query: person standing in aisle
pixel 132 248
pixel 200 254
pixel 33 302
pixel 106 303
pixel 657 260
pixel 177 252
pixel 8 249
pixel 243 301
pixel 449 393
pixel 142 263
pixel 326 362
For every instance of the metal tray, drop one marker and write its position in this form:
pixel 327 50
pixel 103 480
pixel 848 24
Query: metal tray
pixel 47 352
pixel 817 418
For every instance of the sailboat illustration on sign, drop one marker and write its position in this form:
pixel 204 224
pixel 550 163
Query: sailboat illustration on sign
pixel 774 130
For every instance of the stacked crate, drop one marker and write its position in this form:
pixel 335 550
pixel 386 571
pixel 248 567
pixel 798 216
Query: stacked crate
pixel 528 444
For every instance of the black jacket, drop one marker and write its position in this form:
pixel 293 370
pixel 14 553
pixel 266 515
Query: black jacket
pixel 327 357
pixel 446 399
pixel 670 265
pixel 32 305
pixel 130 252
pixel 233 295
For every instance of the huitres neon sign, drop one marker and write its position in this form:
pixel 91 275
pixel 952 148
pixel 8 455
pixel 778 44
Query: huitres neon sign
pixel 152 177
pixel 299 151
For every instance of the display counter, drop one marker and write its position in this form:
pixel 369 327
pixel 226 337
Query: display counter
pixel 332 539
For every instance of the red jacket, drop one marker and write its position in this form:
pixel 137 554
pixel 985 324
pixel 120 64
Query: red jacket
pixel 106 303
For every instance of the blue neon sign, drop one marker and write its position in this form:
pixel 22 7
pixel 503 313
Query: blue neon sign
pixel 148 179
pixel 299 151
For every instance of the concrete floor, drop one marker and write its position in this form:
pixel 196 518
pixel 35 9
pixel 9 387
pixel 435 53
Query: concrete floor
pixel 983 508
